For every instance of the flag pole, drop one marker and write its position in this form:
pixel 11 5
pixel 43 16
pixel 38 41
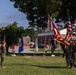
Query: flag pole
pixel 69 28
pixel 68 15
pixel 36 45
pixel 4 41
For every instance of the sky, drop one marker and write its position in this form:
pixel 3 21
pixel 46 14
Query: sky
pixel 9 14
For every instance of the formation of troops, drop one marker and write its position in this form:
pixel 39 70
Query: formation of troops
pixel 70 53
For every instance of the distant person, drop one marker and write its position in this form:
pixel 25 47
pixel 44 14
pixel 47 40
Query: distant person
pixel 52 45
pixel 63 48
pixel 3 53
pixel 46 47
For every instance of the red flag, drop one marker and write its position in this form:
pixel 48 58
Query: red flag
pixel 69 31
pixel 57 34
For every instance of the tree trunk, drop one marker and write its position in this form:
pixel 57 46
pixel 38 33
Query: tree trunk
pixel 7 48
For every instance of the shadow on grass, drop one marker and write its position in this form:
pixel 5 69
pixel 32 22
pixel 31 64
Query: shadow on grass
pixel 41 66
pixel 55 67
pixel 15 64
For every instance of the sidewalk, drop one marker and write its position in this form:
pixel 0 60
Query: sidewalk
pixel 26 50
pixel 29 51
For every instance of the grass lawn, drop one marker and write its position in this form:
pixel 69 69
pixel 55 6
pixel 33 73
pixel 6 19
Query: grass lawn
pixel 42 50
pixel 36 65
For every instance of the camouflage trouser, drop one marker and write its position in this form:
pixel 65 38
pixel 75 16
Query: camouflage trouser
pixel 69 59
pixel 75 59
pixel 2 59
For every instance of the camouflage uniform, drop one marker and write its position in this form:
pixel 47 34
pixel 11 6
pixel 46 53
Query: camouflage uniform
pixel 74 54
pixel 3 53
pixel 69 56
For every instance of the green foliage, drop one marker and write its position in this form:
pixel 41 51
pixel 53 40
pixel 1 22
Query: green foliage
pixel 12 32
pixel 31 32
pixel 67 5
pixel 37 10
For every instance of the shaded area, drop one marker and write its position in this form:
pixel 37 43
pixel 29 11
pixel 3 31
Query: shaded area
pixel 56 67
pixel 40 66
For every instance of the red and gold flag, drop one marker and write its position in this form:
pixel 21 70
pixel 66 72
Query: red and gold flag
pixel 57 35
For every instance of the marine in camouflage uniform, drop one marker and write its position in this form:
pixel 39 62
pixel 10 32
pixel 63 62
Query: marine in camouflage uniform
pixel 3 54
pixel 69 55
pixel 74 54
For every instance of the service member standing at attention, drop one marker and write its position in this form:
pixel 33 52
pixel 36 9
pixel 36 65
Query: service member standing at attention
pixel 70 54
pixel 74 54
pixel 52 45
pixel 3 53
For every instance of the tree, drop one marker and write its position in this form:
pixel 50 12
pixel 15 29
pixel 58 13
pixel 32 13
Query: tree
pixel 67 5
pixel 37 10
pixel 32 33
pixel 12 32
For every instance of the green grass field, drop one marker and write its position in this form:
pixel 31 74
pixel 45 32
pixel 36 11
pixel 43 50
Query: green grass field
pixel 36 65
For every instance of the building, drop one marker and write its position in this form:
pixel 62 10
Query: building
pixel 46 36
pixel 26 40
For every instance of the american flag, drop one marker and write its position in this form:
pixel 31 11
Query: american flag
pixel 69 28
pixel 69 32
